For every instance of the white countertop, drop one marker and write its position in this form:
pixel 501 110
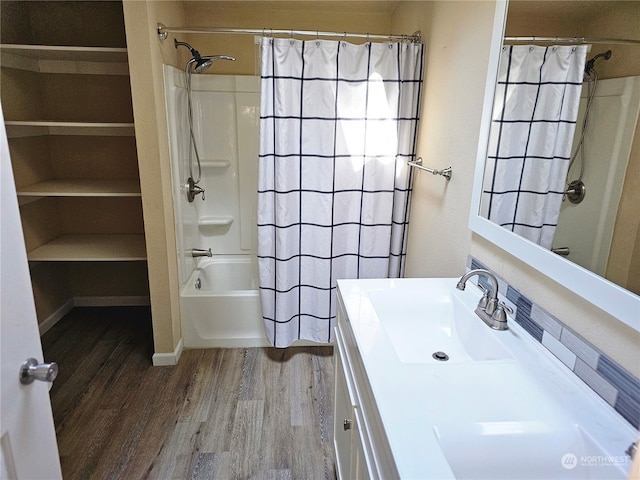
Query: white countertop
pixel 432 411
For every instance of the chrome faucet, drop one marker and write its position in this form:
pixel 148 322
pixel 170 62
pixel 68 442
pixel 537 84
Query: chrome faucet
pixel 489 309
pixel 199 252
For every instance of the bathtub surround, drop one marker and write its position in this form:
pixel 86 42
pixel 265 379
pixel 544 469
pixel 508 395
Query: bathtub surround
pixel 615 385
pixel 225 127
pixel 225 310
pixel 338 124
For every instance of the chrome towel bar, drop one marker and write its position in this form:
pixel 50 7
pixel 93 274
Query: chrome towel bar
pixel 417 163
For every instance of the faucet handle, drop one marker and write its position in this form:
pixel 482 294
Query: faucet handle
pixel 484 301
pixel 632 450
pixel 500 312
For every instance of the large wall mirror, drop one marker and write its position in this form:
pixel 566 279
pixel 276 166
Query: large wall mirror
pixel 577 221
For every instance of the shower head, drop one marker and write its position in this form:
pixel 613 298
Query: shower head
pixel 205 62
pixel 201 63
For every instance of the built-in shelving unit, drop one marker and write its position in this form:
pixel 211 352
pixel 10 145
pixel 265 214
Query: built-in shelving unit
pixel 69 119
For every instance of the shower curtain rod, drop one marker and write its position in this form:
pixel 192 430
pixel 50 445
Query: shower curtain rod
pixel 572 40
pixel 163 31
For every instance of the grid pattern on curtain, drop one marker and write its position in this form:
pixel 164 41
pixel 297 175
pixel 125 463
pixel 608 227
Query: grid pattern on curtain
pixel 338 123
pixel 534 118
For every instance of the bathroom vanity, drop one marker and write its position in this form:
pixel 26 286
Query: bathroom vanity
pixel 424 389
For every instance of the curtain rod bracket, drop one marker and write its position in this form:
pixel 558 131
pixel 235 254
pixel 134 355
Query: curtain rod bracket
pixel 161 30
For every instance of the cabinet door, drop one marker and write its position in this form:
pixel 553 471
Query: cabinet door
pixel 343 421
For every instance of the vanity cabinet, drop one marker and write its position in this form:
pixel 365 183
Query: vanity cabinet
pixel 69 120
pixel 361 447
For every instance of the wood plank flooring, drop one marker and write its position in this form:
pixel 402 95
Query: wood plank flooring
pixel 254 413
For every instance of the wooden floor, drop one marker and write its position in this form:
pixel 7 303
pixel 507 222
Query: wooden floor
pixel 252 413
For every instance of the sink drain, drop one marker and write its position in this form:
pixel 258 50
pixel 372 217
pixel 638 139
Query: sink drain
pixel 440 356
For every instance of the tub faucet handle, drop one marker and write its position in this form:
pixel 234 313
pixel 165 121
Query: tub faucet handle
pixel 193 189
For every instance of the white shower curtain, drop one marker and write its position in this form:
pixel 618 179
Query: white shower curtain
pixel 534 118
pixel 338 123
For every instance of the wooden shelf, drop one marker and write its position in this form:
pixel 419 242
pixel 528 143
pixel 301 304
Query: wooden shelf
pixel 82 188
pixel 91 248
pixel 61 59
pixel 22 128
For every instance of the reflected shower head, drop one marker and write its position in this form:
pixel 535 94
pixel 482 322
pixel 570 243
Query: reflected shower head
pixel 201 63
pixel 591 63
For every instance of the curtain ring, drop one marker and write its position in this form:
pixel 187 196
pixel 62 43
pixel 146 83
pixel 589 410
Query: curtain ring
pixel 266 35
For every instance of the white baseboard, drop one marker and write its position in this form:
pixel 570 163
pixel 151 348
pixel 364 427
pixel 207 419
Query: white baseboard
pixel 220 342
pixel 168 359
pixel 56 316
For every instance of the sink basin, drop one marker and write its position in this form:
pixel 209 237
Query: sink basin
pixel 511 429
pixel 440 319
pixel 533 449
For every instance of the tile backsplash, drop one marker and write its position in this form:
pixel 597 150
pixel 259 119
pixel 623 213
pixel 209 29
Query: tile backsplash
pixel 614 384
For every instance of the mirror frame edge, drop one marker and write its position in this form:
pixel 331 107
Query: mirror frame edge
pixel 609 297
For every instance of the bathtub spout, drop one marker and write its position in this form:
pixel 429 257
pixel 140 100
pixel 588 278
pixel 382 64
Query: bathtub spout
pixel 199 252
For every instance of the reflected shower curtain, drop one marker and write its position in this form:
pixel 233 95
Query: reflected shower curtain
pixel 534 118
pixel 338 124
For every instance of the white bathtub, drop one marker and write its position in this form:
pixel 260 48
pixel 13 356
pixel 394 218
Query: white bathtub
pixel 220 304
